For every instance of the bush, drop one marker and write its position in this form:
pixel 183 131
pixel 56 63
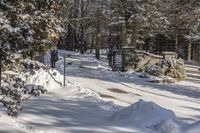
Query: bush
pixel 14 91
pixel 174 68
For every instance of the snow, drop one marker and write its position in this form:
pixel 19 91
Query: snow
pixel 95 99
pixel 143 114
pixel 53 79
pixel 30 62
pixel 193 128
pixel 168 126
pixel 10 73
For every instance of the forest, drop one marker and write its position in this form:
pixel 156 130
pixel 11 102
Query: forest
pixel 34 26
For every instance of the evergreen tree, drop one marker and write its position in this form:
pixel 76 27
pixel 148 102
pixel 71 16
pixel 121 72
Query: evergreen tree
pixel 33 25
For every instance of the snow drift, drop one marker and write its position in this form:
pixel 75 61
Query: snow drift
pixel 167 126
pixel 151 116
pixel 143 114
pixel 193 128
pixel 50 79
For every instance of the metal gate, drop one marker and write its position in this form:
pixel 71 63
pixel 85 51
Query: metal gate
pixel 119 59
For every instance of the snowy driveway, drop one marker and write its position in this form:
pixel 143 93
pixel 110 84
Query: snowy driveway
pixel 124 89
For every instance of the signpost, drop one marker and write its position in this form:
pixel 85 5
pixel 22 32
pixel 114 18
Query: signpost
pixel 64 82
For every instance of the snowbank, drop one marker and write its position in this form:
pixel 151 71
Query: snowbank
pixel 53 80
pixel 193 128
pixel 50 79
pixel 167 126
pixel 151 116
pixel 143 114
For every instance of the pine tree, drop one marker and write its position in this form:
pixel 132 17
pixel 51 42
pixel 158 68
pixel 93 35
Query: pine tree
pixel 35 23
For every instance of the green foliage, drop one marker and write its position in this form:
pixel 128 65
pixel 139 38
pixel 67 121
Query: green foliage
pixel 27 24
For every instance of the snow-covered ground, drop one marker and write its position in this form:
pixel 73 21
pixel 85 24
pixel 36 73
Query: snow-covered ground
pixel 97 100
pixel 193 74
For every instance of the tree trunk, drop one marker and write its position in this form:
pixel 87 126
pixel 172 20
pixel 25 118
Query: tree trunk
pixel 124 35
pixel 177 25
pixel 124 26
pixel 98 34
pixel 82 28
pixel 176 42
pixel 92 44
pixel 134 38
pixel 147 45
pixel 189 50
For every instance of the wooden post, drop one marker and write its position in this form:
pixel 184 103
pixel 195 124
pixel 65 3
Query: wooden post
pixel 114 60
pixel 189 48
pixel 64 84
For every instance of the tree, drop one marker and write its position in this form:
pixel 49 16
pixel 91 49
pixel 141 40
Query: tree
pixel 183 16
pixel 139 19
pixel 35 23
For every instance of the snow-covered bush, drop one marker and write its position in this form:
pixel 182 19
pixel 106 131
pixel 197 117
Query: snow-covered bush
pixel 29 64
pixel 168 69
pixel 155 70
pixel 14 91
pixel 15 63
pixel 171 67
